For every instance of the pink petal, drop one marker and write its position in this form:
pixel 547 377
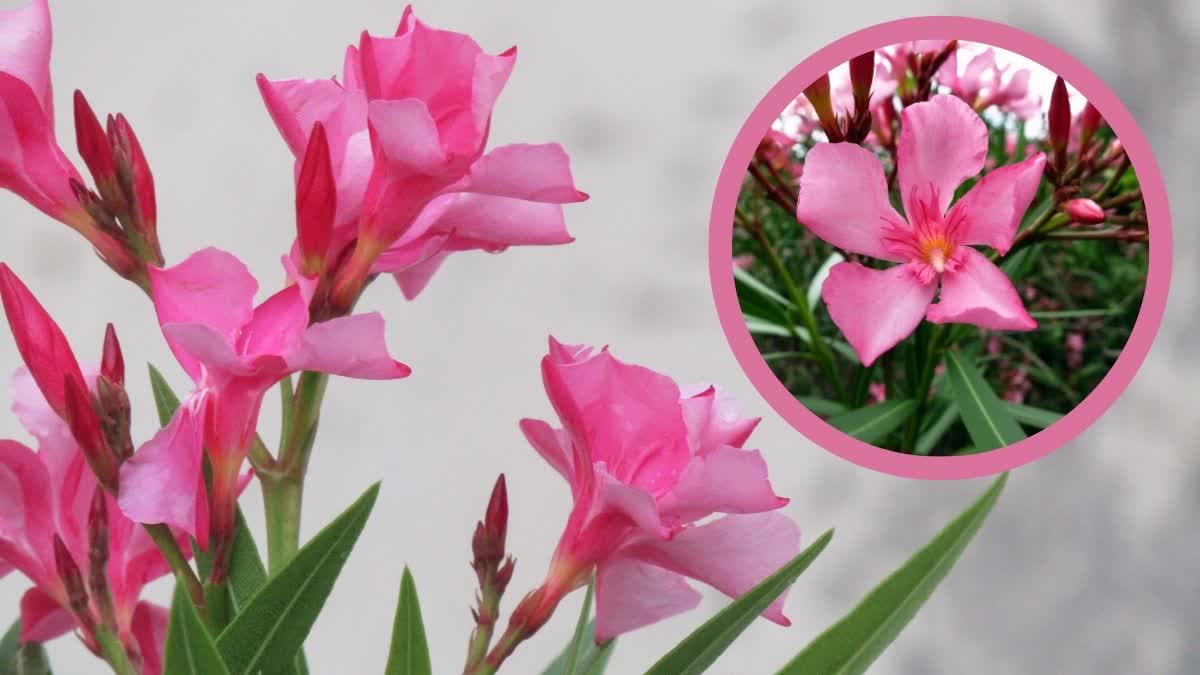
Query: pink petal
pixel 149 629
pixel 552 444
pixel 25 50
pixel 726 480
pixel 351 346
pixel 491 223
pixel 414 279
pixel 162 482
pixel 631 594
pixel 714 419
pixel 406 135
pixel 875 309
pixel 296 104
pixel 992 210
pixel 212 288
pixel 627 416
pixel 979 293
pixel 31 163
pixel 278 323
pixel 203 345
pixel 536 173
pixel 633 502
pixel 26 513
pixel 844 199
pixel 731 554
pixel 42 618
pixel 942 143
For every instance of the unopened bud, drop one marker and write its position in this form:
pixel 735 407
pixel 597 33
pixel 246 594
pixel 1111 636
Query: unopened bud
pixel 93 205
pixel 114 411
pixel 93 144
pixel 488 543
pixel 1089 123
pixel 1084 211
pixel 137 183
pixel 818 95
pixel 98 558
pixel 80 416
pixel 862 73
pixel 1059 123
pixel 112 362
pixel 316 202
pixel 72 579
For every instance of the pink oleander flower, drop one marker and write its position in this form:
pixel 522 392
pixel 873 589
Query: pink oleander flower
pixel 52 493
pixel 776 149
pixel 844 201
pixel 983 83
pixel 407 126
pixel 647 463
pixel 234 352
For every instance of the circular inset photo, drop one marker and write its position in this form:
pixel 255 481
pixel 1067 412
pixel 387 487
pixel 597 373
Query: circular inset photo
pixel 939 245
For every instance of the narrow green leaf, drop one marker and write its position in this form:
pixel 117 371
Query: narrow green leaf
pixel 410 652
pixel 165 400
pixel 8 647
pixel 593 658
pixel 699 650
pixel 585 614
pixel 1076 313
pixel 872 424
pixel 989 423
pixel 747 284
pixel 851 645
pixel 1031 416
pixel 190 649
pixel 940 426
pixel 818 280
pixel 822 407
pixel 759 326
pixel 270 629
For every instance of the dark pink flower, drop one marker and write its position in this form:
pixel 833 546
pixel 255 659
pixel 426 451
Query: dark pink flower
pixel 844 200
pixel 646 463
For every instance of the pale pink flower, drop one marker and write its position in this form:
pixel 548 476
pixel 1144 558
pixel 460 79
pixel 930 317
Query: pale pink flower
pixel 234 352
pixel 983 82
pixel 844 200
pixel 50 493
pixel 647 463
pixel 407 126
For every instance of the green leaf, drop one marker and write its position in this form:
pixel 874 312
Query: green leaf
pixel 1031 416
pixel 940 426
pixel 165 400
pixel 593 658
pixel 821 407
pixel 756 297
pixel 699 650
pixel 8 647
pixel 190 649
pixel 410 652
pixel 872 424
pixel 988 421
pixel 270 629
pixel 32 659
pixel 580 628
pixel 851 645
pixel 818 280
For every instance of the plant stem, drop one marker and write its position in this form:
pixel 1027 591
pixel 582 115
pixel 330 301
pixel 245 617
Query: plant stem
pixel 184 574
pixel 485 626
pixel 114 652
pixel 798 299
pixel 283 489
pixel 785 200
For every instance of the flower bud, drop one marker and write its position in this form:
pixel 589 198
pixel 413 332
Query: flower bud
pixel 1059 123
pixel 72 579
pixel 316 202
pixel 98 558
pixel 81 418
pixel 1089 123
pixel 818 95
pixel 137 182
pixel 112 363
pixel 1084 211
pixel 488 543
pixel 113 407
pixel 862 72
pixel 93 145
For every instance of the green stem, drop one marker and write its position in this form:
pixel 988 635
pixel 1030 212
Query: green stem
pixel 283 488
pixel 481 637
pixel 801 302
pixel 184 574
pixel 114 652
pixel 216 600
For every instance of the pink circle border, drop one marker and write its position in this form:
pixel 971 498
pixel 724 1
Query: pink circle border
pixel 721 255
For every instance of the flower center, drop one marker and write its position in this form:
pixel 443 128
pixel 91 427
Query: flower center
pixel 936 250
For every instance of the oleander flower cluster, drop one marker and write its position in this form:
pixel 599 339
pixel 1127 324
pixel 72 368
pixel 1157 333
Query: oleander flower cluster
pixel 941 203
pixel 393 174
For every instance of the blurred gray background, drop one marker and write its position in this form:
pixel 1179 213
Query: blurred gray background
pixel 1088 564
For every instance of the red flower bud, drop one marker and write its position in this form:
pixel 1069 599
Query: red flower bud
pixel 98 558
pixel 1059 122
pixel 93 142
pixel 80 416
pixel 1085 211
pixel 818 94
pixel 112 363
pixel 490 534
pixel 72 578
pixel 316 202
pixel 42 345
pixel 1089 123
pixel 132 164
pixel 862 72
